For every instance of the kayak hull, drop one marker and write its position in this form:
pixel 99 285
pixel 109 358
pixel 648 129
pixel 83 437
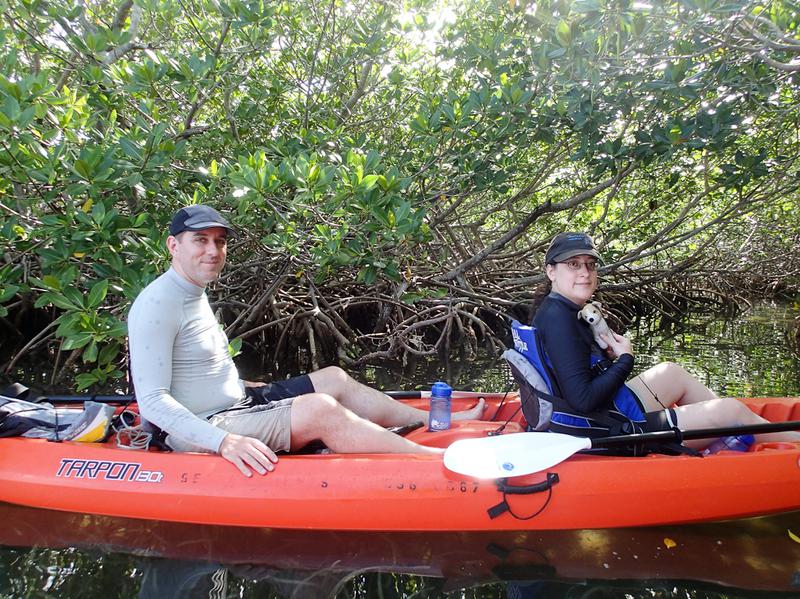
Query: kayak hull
pixel 403 492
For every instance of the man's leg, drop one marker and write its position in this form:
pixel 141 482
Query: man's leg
pixel 318 416
pixel 373 405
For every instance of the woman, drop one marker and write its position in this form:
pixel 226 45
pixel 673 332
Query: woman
pixel 669 395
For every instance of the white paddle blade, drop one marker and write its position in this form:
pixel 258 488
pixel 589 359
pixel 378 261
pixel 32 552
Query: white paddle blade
pixel 515 454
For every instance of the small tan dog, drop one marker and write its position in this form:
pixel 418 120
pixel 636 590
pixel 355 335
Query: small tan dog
pixel 593 314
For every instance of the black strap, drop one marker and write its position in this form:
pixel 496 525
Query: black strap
pixel 499 430
pixel 606 418
pixel 503 486
pixel 16 391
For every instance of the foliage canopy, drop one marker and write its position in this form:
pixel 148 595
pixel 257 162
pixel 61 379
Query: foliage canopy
pixel 396 167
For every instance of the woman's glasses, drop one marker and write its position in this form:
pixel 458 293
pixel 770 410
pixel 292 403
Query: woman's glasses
pixel 576 265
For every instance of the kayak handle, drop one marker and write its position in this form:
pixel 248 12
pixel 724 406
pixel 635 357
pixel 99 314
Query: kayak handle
pixel 545 485
pixel 506 489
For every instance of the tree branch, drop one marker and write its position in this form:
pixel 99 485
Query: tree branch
pixel 522 226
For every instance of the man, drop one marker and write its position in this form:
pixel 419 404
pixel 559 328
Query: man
pixel 187 384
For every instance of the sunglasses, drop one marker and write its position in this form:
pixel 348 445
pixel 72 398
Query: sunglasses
pixel 576 265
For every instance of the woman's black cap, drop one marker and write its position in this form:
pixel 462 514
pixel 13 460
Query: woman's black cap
pixel 568 245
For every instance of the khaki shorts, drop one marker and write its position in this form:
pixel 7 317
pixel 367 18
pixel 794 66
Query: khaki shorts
pixel 264 413
pixel 270 423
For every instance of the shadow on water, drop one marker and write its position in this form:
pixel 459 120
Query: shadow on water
pixel 52 554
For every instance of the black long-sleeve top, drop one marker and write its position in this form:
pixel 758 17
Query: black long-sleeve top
pixel 568 342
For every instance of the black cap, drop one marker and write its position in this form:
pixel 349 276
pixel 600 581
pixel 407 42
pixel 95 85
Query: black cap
pixel 196 218
pixel 568 245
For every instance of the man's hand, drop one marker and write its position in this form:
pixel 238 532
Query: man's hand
pixel 617 344
pixel 247 454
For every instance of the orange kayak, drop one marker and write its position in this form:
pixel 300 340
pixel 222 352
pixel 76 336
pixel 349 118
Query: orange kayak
pixel 370 492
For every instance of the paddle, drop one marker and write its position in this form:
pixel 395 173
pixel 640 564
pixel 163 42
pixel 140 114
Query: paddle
pixel 518 454
pixel 74 399
pixel 79 399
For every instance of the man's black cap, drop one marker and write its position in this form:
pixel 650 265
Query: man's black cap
pixel 196 218
pixel 568 245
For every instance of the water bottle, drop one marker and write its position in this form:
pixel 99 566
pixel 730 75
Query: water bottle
pixel 439 418
pixel 733 443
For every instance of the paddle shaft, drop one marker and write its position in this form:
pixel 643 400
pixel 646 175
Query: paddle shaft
pixel 78 399
pixel 700 433
pixel 120 399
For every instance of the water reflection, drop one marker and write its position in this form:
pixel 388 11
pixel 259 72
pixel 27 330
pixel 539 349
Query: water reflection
pixel 67 552
pixel 754 354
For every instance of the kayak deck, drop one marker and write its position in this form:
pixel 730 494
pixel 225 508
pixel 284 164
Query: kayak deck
pixel 402 492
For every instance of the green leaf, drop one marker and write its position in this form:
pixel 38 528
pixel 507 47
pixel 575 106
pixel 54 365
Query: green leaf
pixel 564 33
pixel 98 293
pixel 118 329
pixel 11 108
pixel 55 298
pixel 108 353
pixel 131 149
pixel 89 354
pixel 74 296
pixel 85 380
pixel 77 340
pixel 368 182
pixel 83 169
pixel 6 293
pixel 411 298
pixel 583 6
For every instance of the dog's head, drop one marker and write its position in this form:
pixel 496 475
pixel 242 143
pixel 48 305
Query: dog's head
pixel 591 313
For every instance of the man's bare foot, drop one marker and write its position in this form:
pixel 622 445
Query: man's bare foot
pixel 474 413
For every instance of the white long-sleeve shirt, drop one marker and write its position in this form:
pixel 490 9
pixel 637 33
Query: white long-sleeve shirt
pixel 182 371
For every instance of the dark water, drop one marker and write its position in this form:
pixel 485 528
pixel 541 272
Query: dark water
pixel 47 554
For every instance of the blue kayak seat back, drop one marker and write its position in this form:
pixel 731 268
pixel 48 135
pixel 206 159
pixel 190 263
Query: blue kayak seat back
pixel 531 377
pixel 526 343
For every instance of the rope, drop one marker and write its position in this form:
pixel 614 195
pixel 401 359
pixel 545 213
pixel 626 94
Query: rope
pixel 653 393
pixel 499 430
pixel 130 436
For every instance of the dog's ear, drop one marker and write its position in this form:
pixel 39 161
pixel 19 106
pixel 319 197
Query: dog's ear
pixel 580 313
pixel 598 305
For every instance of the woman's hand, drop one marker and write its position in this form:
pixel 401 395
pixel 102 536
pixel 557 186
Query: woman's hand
pixel 617 344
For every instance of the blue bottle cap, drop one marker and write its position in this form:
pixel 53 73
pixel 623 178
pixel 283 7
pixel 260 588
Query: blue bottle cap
pixel 441 389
